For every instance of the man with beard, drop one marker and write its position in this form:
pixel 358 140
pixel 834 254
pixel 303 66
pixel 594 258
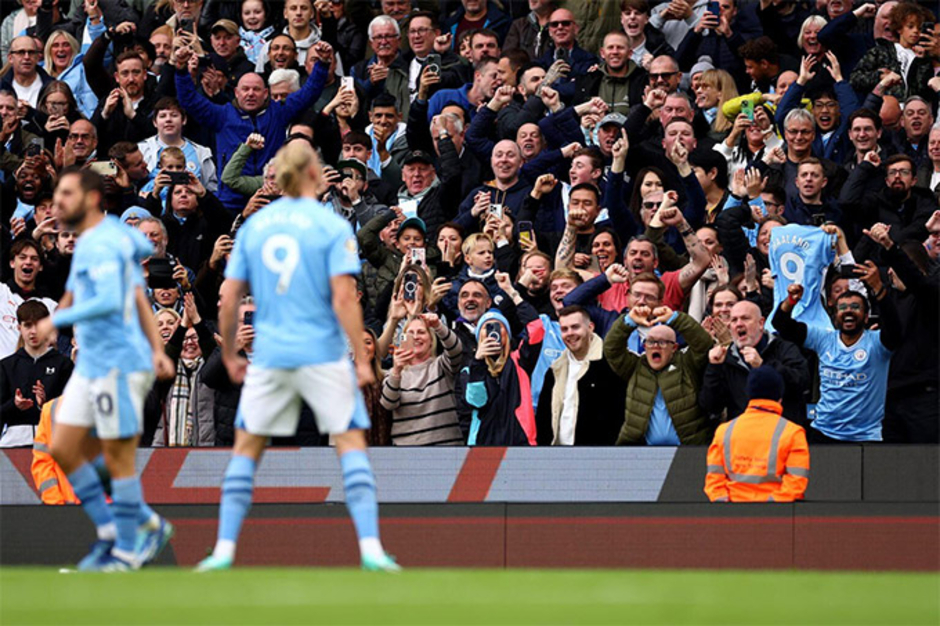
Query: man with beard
pixel 59 263
pixel 853 361
pixel 349 196
pixel 583 397
pixel 723 389
pixel 902 204
pixel 113 373
pixel 125 113
pixel 663 383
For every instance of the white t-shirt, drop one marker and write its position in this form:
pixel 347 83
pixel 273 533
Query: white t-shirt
pixel 905 58
pixel 569 414
pixel 31 93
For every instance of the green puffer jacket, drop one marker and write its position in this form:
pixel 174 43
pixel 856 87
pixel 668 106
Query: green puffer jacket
pixel 679 381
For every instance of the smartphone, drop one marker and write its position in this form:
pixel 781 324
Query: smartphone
pixel 418 256
pixel 927 28
pixel 103 168
pixel 407 343
pixel 847 270
pixel 561 55
pixel 714 8
pixel 433 63
pixel 819 219
pixel 409 208
pixel 35 147
pixel 249 319
pixel 493 329
pixel 747 107
pixel 410 286
pixel 496 209
pixel 346 82
pixel 179 178
pixel 526 232
pixel 205 61
pixel 188 25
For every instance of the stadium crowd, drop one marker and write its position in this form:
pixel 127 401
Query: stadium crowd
pixel 580 223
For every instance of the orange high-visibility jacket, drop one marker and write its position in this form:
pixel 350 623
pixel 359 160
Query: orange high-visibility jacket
pixel 758 457
pixel 53 486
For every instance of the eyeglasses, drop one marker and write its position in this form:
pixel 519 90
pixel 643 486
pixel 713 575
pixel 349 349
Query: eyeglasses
pixel 899 172
pixel 384 37
pixel 650 205
pixel 658 343
pixel 560 24
pixel 421 32
pixel 662 75
pixel 188 2
pixel 56 105
pixel 24 53
pixel 829 105
pixel 849 306
pixel 802 132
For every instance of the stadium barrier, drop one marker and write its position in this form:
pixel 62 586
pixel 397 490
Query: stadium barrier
pixel 868 507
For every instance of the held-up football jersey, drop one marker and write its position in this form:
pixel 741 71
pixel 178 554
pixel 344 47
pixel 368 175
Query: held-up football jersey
pixel 103 280
pixel 288 253
pixel 800 255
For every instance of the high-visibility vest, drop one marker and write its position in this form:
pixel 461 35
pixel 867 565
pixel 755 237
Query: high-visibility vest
pixel 758 457
pixel 53 485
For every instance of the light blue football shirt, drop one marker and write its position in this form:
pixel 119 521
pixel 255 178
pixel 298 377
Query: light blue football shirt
pixel 801 254
pixel 288 253
pixel 103 279
pixel 853 381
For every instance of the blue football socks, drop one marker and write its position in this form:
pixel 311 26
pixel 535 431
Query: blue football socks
pixel 237 487
pixel 126 498
pixel 359 485
pixel 88 489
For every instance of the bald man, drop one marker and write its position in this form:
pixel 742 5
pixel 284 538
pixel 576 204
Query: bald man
pixel 563 31
pixel 27 79
pixel 723 389
pixel 507 190
pixel 663 383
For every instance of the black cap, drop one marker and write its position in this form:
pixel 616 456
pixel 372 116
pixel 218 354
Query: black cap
pixel 418 155
pixel 764 383
pixel 355 164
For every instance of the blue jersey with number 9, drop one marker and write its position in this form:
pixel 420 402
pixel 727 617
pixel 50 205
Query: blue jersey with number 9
pixel 800 255
pixel 288 252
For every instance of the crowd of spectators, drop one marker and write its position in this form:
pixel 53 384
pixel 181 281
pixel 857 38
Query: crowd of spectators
pixel 580 222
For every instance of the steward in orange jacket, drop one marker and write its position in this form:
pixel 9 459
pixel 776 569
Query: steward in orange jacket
pixel 760 456
pixel 53 486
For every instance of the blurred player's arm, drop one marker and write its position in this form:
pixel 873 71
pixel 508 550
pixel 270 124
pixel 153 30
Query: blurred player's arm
pixel 349 313
pixel 105 301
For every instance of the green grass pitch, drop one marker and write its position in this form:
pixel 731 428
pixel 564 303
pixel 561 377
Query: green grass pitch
pixel 342 596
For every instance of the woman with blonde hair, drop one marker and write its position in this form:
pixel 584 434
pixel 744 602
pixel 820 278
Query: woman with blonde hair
pixel 63 57
pixel 419 389
pixel 715 87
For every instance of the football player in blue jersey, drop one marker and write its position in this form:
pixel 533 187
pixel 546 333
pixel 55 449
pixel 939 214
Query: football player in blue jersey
pixel 299 259
pixel 120 352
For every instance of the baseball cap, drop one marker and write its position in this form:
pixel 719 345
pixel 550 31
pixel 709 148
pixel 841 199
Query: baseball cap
pixel 414 222
pixel 612 118
pixel 418 155
pixel 227 25
pixel 135 212
pixel 355 164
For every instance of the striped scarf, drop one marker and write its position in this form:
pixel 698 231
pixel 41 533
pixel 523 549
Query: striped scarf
pixel 179 429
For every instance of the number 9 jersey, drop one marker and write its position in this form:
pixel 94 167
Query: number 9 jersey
pixel 800 255
pixel 287 253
